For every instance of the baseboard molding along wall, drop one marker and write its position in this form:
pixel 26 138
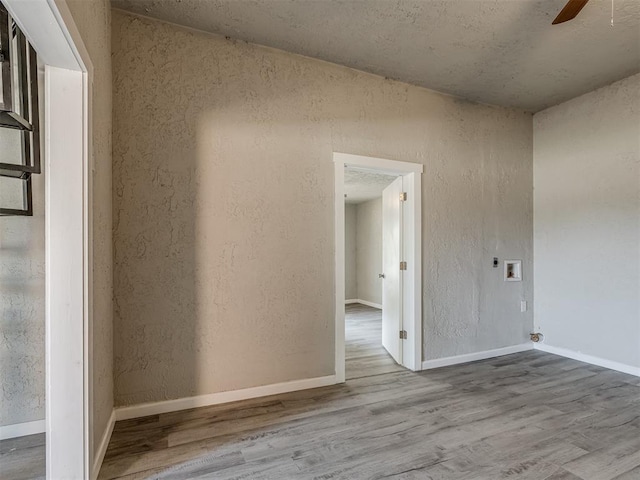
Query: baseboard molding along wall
pixel 600 362
pixel 363 302
pixel 473 357
pixel 102 448
pixel 22 429
pixel 563 352
pixel 155 408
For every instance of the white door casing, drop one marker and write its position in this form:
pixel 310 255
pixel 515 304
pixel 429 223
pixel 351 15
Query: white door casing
pixel 391 257
pixel 412 253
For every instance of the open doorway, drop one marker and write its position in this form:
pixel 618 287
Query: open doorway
pixel 372 247
pixel 378 266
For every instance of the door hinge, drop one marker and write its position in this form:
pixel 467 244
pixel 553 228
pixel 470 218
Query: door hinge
pixel 403 334
pixel 403 197
pixel 403 265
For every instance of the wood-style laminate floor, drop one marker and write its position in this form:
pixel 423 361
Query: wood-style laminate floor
pixel 530 415
pixel 364 353
pixel 22 458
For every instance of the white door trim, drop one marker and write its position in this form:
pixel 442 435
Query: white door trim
pixel 68 75
pixel 412 251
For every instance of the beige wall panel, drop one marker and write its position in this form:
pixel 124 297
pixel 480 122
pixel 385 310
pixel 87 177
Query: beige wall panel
pixel 224 209
pixel 587 223
pixel 350 273
pixel 369 250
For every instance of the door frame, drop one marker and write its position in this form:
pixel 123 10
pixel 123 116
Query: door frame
pixel 49 27
pixel 411 248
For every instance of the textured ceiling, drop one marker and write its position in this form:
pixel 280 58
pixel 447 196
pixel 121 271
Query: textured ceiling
pixel 361 185
pixel 500 52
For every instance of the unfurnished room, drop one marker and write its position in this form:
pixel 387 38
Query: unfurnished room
pixel 320 239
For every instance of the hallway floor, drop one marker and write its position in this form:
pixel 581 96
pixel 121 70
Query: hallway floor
pixel 364 353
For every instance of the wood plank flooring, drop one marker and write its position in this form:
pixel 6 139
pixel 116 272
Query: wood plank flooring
pixel 364 352
pixel 22 458
pixel 531 416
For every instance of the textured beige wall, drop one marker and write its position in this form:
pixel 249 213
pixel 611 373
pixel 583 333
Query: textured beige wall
pixel 22 327
pixel 369 250
pixel 350 275
pixel 587 223
pixel 223 209
pixel 93 19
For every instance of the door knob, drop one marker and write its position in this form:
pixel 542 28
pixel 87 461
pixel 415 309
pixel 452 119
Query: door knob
pixel 381 275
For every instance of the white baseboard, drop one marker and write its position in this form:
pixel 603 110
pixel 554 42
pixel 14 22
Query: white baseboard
pixel 370 304
pixel 102 448
pixel 21 429
pixel 601 362
pixel 473 357
pixel 154 408
pixel 364 302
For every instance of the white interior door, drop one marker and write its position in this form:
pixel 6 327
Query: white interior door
pixel 391 256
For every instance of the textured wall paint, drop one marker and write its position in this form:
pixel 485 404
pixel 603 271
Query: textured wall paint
pixel 22 327
pixel 369 250
pixel 587 223
pixel 93 19
pixel 223 209
pixel 350 276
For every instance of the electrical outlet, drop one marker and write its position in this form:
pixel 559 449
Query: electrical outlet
pixel 523 305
